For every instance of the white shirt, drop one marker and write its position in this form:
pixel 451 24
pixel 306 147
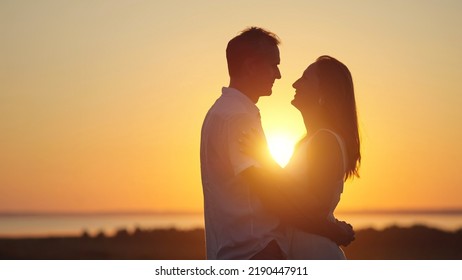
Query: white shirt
pixel 236 225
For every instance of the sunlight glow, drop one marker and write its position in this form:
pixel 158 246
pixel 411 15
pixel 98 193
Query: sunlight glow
pixel 281 148
pixel 70 133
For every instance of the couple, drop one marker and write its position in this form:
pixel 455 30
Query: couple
pixel 255 209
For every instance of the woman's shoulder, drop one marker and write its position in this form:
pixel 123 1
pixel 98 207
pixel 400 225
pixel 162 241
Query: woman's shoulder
pixel 325 151
pixel 326 140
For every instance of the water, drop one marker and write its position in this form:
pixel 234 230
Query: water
pixel 61 225
pixel 448 222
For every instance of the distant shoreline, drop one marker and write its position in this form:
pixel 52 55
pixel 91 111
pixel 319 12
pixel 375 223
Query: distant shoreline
pixel 445 211
pixel 102 213
pixel 111 234
pixel 455 211
pixel 27 224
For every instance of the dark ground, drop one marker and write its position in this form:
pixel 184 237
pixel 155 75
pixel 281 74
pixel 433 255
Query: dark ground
pixel 394 243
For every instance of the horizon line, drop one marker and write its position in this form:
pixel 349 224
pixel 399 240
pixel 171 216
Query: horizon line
pixel 430 211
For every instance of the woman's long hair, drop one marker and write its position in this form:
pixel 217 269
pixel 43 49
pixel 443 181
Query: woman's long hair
pixel 337 91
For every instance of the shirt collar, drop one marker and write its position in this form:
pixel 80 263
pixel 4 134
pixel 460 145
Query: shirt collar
pixel 241 98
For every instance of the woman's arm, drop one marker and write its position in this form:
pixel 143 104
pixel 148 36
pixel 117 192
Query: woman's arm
pixel 307 216
pixel 313 193
pixel 303 209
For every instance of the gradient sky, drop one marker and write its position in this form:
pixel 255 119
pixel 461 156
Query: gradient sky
pixel 101 102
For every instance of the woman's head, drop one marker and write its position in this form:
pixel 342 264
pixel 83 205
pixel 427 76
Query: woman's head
pixel 325 97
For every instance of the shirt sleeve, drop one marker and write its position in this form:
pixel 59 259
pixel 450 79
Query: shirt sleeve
pixel 236 126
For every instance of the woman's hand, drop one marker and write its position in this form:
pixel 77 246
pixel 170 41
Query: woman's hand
pixel 254 145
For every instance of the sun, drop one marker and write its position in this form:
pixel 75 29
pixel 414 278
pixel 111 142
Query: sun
pixel 281 148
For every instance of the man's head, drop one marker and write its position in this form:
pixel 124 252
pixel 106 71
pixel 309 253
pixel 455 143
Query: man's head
pixel 253 59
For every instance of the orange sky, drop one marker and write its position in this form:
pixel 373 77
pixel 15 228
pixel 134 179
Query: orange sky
pixel 101 103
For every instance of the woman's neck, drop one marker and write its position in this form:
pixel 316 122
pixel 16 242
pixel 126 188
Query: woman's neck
pixel 314 124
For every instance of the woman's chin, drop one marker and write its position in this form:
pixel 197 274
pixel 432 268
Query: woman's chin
pixel 294 103
pixel 297 106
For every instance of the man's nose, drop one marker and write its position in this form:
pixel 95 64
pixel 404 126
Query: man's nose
pixel 278 74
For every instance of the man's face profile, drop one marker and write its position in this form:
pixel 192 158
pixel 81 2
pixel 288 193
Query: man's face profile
pixel 266 70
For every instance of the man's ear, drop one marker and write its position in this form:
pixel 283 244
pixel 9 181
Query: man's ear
pixel 250 66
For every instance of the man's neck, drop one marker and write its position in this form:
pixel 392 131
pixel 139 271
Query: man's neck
pixel 245 89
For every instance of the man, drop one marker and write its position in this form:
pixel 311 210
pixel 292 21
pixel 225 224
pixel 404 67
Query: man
pixel 238 225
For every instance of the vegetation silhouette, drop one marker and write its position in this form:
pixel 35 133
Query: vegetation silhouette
pixel 394 243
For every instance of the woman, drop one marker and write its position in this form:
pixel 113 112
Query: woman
pixel 327 156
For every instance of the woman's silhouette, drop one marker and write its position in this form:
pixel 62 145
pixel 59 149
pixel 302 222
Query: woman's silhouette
pixel 325 158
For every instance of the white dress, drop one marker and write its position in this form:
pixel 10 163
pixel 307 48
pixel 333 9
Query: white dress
pixel 302 245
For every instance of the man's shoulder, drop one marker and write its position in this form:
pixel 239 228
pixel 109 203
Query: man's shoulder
pixel 228 109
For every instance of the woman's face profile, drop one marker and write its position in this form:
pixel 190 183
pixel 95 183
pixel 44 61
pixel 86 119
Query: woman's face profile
pixel 306 89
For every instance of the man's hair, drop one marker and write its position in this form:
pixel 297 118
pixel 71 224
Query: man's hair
pixel 250 43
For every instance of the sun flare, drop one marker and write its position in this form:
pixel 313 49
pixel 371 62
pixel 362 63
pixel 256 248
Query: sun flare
pixel 281 148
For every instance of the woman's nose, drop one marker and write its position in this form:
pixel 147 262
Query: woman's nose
pixel 294 85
